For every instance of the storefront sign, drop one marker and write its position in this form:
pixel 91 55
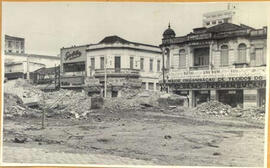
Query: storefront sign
pixel 239 74
pixel 72 55
pixel 115 81
pixel 91 81
pixel 219 85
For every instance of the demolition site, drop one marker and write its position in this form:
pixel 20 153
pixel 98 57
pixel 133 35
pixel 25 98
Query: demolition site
pixel 197 99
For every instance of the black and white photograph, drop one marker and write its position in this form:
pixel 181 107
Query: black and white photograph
pixel 135 83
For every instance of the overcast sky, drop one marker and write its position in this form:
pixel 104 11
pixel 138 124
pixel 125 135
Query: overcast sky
pixel 48 26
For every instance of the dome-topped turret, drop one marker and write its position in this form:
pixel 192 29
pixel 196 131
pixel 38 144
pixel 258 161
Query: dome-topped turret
pixel 169 33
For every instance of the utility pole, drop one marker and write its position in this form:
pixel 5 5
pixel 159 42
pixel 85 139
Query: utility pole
pixel 105 77
pixel 163 71
pixel 55 76
pixel 27 73
pixel 43 113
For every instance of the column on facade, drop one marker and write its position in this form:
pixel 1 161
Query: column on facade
pixel 250 98
pixel 190 56
pixel 214 95
pixel 211 55
pixel 191 97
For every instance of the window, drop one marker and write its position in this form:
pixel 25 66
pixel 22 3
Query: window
pixel 242 52
pixel 17 45
pixel 9 44
pixel 143 85
pixel 74 67
pixel 142 63
pixel 182 58
pixel 214 22
pixel 150 86
pixel 224 60
pixel 131 62
pixel 158 65
pixel 157 87
pixel 201 56
pixel 220 21
pixel 151 65
pixel 22 45
pixel 207 23
pixel 92 64
pixel 258 58
pixel 101 62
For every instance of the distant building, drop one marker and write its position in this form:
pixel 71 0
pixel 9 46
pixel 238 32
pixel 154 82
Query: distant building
pixel 15 56
pixel 14 44
pixel 225 62
pixel 15 70
pixel 125 63
pixel 47 60
pixel 225 16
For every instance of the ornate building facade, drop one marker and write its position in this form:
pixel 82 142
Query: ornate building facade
pixel 225 62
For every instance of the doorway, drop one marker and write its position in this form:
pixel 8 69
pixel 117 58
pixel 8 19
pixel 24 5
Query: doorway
pixel 233 98
pixel 201 96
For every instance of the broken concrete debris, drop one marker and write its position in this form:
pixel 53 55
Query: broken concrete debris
pixel 20 95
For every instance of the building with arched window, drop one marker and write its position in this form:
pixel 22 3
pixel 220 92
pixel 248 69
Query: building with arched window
pixel 224 62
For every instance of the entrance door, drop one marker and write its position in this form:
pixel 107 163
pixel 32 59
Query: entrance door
pixel 201 96
pixel 261 97
pixel 117 64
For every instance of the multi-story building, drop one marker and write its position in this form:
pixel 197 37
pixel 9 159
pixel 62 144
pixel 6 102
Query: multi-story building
pixel 225 62
pixel 14 44
pixel 114 63
pixel 14 56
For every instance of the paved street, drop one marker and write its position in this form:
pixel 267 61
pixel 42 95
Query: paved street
pixel 39 156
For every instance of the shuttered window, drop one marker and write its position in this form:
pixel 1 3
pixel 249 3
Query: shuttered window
pixel 224 60
pixel 242 52
pixel 182 58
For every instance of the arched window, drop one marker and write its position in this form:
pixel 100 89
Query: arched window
pixel 182 58
pixel 242 52
pixel 224 60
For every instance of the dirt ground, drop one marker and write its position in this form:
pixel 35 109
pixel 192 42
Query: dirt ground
pixel 158 136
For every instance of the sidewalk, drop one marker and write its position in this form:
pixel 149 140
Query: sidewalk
pixel 41 156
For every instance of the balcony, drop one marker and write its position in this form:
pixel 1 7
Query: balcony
pixel 204 67
pixel 121 72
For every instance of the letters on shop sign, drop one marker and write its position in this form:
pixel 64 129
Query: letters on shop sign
pixel 72 55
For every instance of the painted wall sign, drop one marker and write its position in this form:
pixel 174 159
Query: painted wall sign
pixel 219 85
pixel 238 74
pixel 72 55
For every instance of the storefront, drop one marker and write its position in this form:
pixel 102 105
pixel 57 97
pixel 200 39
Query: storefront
pixel 243 87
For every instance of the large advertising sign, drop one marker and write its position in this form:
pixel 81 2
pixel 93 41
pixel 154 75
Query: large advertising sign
pixel 220 75
pixel 73 54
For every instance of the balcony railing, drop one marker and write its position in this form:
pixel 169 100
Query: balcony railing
pixel 117 72
pixel 202 67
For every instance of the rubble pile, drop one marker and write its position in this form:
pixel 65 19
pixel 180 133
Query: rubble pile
pixel 213 108
pixel 219 109
pixel 13 106
pixel 22 88
pixel 68 103
pixel 133 100
pixel 255 113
